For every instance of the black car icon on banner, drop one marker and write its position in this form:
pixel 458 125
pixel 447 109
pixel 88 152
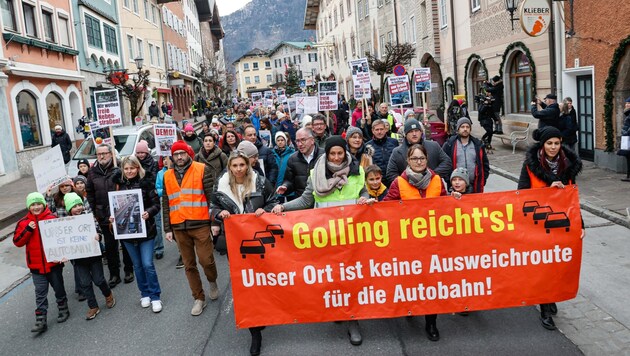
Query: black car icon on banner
pixel 252 247
pixel 265 237
pixel 276 230
pixel 540 213
pixel 529 206
pixel 557 220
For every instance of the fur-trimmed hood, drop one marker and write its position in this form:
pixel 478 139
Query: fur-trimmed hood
pixel 573 165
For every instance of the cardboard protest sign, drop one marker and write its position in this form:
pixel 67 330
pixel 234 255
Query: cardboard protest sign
pixel 399 90
pixel 268 103
pixel 268 94
pixel 48 168
pixel 307 105
pixel 108 111
pixel 127 208
pixel 69 238
pixel 422 80
pixel 399 258
pixel 100 135
pixel 257 99
pixel 165 136
pixel 327 96
pixel 361 78
pixel 265 137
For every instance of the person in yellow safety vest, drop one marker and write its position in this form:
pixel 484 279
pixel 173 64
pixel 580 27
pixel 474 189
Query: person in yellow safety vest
pixel 337 179
pixel 418 181
pixel 185 204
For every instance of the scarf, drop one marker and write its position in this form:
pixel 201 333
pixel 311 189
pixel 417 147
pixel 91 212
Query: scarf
pixel 182 170
pixel 556 165
pixel 376 193
pixel 324 186
pixel 419 180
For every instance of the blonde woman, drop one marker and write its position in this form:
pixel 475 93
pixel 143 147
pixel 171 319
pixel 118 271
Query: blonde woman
pixel 240 190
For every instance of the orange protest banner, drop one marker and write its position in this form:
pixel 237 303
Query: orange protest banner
pixel 416 257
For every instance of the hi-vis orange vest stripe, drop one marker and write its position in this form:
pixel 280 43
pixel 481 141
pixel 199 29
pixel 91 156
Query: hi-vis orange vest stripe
pixel 537 182
pixel 187 202
pixel 408 191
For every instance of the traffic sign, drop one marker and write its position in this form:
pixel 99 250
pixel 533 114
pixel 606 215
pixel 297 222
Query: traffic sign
pixel 399 70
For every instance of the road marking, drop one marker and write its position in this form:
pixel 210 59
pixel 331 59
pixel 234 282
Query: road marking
pixel 228 307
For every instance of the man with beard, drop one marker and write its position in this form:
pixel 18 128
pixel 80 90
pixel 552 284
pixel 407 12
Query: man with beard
pixel 414 134
pixel 185 204
pixel 466 151
pixel 383 146
pixel 99 183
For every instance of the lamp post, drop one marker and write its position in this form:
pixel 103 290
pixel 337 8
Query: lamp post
pixel 512 6
pixel 139 62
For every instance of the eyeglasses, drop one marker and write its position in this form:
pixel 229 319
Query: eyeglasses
pixel 103 154
pixel 302 140
pixel 319 124
pixel 179 154
pixel 417 159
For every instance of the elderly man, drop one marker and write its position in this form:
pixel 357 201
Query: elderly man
pixel 300 163
pixel 384 114
pixel 414 133
pixel 185 204
pixel 550 113
pixel 99 183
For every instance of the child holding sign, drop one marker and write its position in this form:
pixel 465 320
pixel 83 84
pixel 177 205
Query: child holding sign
pixel 89 269
pixel 44 272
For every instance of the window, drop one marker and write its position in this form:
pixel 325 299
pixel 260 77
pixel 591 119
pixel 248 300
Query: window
pixel 29 119
pixel 379 3
pixel 352 44
pixel 29 20
pixel 267 64
pixel 367 8
pixel 312 57
pixel 475 5
pixel 8 14
pixel 146 10
pixel 443 15
pixel 54 110
pixel 360 9
pixel 245 66
pixel 335 15
pixel 130 46
pixel 93 31
pixel 110 39
pixel 349 6
pixel 140 48
pixel 158 55
pixel 381 45
pixel 248 80
pixel 412 29
pixel 341 11
pixel 404 31
pixel 154 14
pixel 424 33
pixel 345 50
pixel 126 3
pixel 520 83
pixel 368 47
pixel 255 65
pixel 279 78
pixel 135 6
pixel 49 29
pixel 479 76
pixel 151 54
pixel 256 79
pixel 269 78
pixel 390 37
pixel 64 32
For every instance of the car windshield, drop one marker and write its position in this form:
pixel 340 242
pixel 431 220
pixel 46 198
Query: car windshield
pixel 124 145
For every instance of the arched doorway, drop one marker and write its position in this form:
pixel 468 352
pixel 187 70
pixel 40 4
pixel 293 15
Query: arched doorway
pixel 75 110
pixel 478 75
pixel 28 116
pixel 435 99
pixel 519 85
pixel 54 108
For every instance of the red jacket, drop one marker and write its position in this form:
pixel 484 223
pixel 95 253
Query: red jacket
pixel 24 235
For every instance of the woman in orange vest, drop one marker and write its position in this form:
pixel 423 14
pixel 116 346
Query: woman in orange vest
pixel 549 164
pixel 417 182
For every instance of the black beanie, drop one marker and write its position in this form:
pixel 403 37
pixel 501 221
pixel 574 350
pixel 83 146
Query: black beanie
pixel 333 141
pixel 545 133
pixel 83 161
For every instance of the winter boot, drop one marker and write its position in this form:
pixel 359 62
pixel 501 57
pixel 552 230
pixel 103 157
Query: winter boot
pixel 40 324
pixel 254 348
pixel 64 312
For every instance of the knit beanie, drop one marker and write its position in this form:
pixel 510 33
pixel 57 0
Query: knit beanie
pixel 71 200
pixel 462 173
pixel 33 198
pixel 409 112
pixel 545 133
pixel 83 161
pixel 353 130
pixel 279 134
pixel 463 120
pixel 79 178
pixel 307 119
pixel 181 145
pixel 142 147
pixel 628 100
pixel 189 127
pixel 412 124
pixel 334 141
pixel 247 148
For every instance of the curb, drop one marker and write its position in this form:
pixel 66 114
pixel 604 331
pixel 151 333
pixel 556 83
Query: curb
pixel 591 208
pixel 15 285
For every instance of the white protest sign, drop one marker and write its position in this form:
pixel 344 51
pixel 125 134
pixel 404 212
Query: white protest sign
pixel 268 94
pixel 48 168
pixel 268 102
pixel 100 135
pixel 70 237
pixel 422 80
pixel 282 99
pixel 399 90
pixel 127 208
pixel 361 78
pixel 257 99
pixel 327 94
pixel 108 110
pixel 306 105
pixel 165 136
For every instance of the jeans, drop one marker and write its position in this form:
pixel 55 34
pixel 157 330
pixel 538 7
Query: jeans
pixel 91 270
pixel 199 241
pixel 141 254
pixel 53 278
pixel 112 254
pixel 159 240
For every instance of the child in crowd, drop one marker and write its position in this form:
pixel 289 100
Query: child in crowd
pixel 373 182
pixel 89 269
pixel 84 167
pixel 459 183
pixel 79 186
pixel 44 272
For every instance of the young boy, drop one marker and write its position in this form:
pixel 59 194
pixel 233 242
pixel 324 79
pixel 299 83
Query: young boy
pixel 459 183
pixel 44 273
pixel 373 182
pixel 89 269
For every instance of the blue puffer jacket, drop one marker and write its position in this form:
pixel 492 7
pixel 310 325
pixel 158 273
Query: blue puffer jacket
pixel 383 149
pixel 281 161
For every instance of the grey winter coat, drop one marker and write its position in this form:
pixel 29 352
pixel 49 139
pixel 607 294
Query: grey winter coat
pixel 439 161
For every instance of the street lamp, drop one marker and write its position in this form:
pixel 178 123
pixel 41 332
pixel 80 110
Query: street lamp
pixel 139 62
pixel 511 6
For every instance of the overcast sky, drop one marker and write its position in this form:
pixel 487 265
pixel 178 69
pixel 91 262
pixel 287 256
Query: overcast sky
pixel 227 7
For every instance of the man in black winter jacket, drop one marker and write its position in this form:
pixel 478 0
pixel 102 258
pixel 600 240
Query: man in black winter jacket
pixel 264 153
pixel 383 145
pixel 468 152
pixel 550 113
pixel 495 87
pixel 154 110
pixel 300 163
